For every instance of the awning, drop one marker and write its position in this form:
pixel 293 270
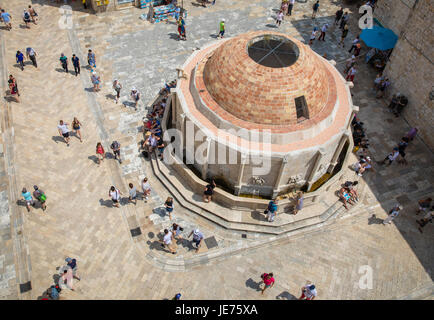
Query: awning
pixel 379 38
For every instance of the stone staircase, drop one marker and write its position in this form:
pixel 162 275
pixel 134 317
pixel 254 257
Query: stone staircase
pixel 252 223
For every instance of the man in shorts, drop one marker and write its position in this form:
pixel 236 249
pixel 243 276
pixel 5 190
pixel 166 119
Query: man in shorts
pixel 116 147
pixel 209 190
pixel 168 241
pixel 197 238
pixel 115 195
pixel 27 198
pixel 40 195
pixel 31 54
pixel 64 131
pixel 133 194
pixel 6 17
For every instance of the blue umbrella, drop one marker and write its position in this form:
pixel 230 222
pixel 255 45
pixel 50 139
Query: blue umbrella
pixel 379 38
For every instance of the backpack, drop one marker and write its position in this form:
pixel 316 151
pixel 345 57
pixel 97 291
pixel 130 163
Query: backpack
pixel 26 15
pixel 115 145
pixel 54 292
pixel 315 6
pixel 42 197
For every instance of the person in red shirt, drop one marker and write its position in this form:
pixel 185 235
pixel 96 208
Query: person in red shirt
pixel 268 280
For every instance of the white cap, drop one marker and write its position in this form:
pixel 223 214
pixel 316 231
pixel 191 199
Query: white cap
pixel 133 89
pixel 223 20
pixel 196 231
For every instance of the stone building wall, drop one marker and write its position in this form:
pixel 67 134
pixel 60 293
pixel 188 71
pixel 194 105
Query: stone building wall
pixel 411 64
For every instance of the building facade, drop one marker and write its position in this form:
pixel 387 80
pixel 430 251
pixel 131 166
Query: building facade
pixel 411 64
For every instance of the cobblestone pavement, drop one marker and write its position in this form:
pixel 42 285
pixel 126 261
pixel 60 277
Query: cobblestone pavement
pixel 80 222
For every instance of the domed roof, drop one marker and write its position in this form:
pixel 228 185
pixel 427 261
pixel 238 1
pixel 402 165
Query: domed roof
pixel 269 78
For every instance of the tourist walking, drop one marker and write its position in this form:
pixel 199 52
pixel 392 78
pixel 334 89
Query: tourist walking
pixel 290 7
pixel 344 20
pixel 428 217
pixel 350 63
pixel 176 230
pixel 271 210
pixel 6 18
pixel 338 14
pixel 117 86
pixel 66 279
pixel 169 242
pixel 135 96
pixel 298 202
pixel 100 153
pixel 27 198
pixel 222 28
pixel 76 64
pixel 91 60
pixel 62 127
pixel 402 145
pixel 376 85
pixel 13 88
pixel 393 213
pixel 268 280
pixel 197 238
pixel 390 157
pixel 26 18
pixel 424 205
pixel 64 62
pixel 20 59
pixel 354 44
pixel 33 14
pixel 132 194
pixel 209 191
pixel 31 54
pixel 313 35
pixel 284 7
pixel 345 196
pixel 40 195
pixel 351 74
pixel 116 147
pixel 181 29
pixel 95 79
pixel 382 88
pixel 169 206
pixel 72 263
pixel 358 49
pixel 323 32
pixel 412 133
pixel 279 18
pixel 115 195
pixel 308 292
pixel 146 188
pixel 315 9
pixel 76 124
pixel 343 36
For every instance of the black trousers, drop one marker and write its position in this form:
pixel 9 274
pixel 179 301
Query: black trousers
pixel 65 67
pixel 77 70
pixel 33 58
pixel 290 8
pixel 21 64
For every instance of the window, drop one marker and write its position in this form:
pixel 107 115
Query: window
pixel 273 51
pixel 301 108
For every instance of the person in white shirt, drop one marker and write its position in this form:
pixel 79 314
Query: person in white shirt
pixel 308 292
pixel 146 188
pixel 115 195
pixel 391 157
pixel 323 32
pixel 64 131
pixel 279 18
pixel 168 241
pixel 135 96
pixel 354 44
pixel 351 74
pixel 393 213
pixel 313 35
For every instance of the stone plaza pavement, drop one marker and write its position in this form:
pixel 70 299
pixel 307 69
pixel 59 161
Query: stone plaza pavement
pixel 80 221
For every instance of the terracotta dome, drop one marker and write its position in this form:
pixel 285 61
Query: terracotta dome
pixel 257 77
